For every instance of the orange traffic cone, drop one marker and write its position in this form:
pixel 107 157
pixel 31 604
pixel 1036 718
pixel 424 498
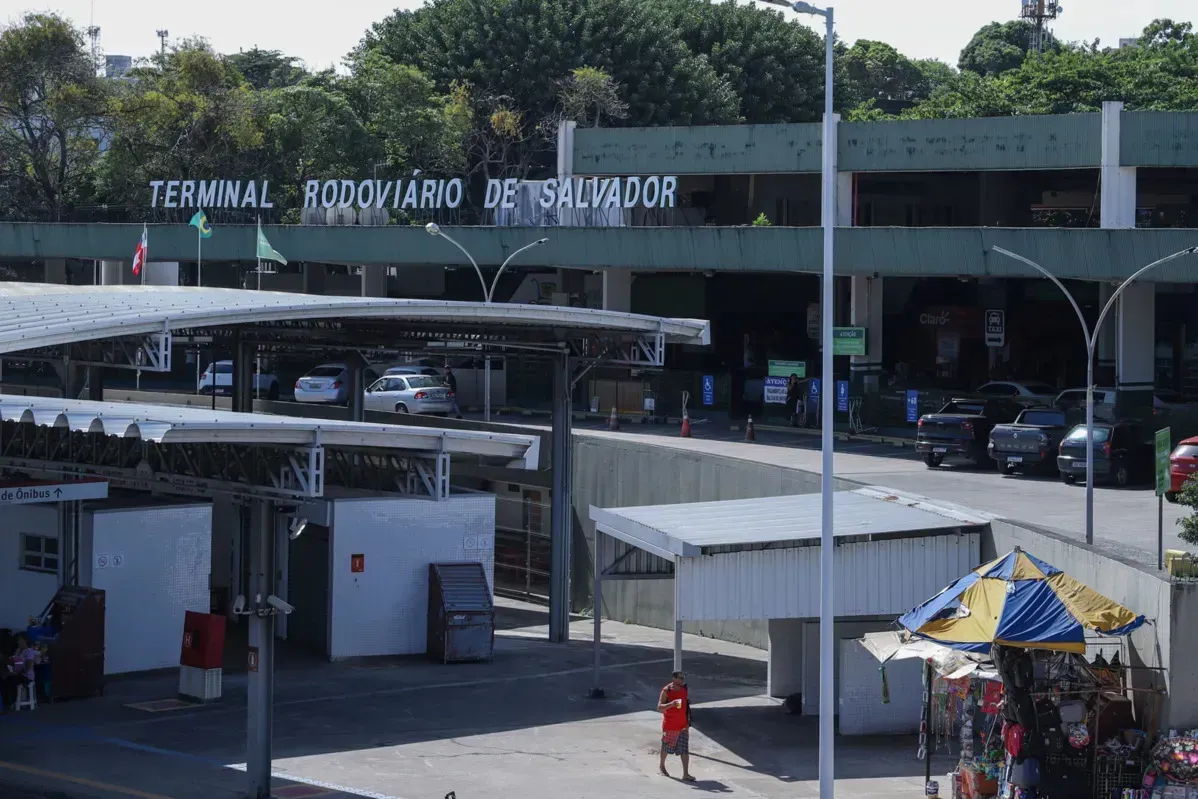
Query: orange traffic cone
pixel 613 421
pixel 750 433
pixel 686 425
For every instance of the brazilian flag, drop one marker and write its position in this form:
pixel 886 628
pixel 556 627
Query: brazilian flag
pixel 200 223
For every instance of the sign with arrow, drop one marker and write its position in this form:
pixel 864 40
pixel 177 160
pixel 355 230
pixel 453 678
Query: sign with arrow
pixel 34 493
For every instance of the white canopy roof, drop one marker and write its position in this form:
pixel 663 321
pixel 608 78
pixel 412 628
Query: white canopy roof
pixel 171 424
pixel 34 315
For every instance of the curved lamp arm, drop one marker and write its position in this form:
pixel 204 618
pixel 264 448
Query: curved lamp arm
pixel 508 260
pixel 1115 295
pixel 1076 308
pixel 435 230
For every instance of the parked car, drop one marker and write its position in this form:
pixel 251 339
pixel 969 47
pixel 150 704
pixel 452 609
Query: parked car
pixel 1183 463
pixel 414 369
pixel 1030 442
pixel 218 377
pixel 1074 399
pixel 328 384
pixel 1121 454
pixel 1168 400
pixel 410 394
pixel 962 429
pixel 1020 392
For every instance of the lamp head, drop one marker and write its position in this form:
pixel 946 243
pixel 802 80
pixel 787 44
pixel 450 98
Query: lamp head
pixel 541 241
pixel 433 229
pixel 806 8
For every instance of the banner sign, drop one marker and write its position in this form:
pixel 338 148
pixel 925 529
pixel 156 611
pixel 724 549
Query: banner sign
pixel 626 192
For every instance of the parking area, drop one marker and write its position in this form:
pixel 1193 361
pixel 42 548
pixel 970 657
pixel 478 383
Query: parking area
pixel 1125 520
pixel 407 729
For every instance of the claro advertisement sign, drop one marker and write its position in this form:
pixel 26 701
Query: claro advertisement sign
pixel 418 193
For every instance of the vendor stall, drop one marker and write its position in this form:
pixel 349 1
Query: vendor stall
pixel 1026 679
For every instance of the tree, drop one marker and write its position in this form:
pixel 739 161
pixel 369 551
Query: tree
pixel 1161 32
pixel 996 48
pixel 878 76
pixel 588 95
pixel 50 104
pixel 1189 524
pixel 267 69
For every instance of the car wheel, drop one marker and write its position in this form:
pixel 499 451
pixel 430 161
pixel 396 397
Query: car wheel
pixel 1171 496
pixel 1068 479
pixel 933 460
pixel 1122 476
pixel 401 408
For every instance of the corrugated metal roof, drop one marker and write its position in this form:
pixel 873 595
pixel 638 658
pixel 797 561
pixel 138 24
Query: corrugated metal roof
pixel 34 315
pixel 699 528
pixel 174 424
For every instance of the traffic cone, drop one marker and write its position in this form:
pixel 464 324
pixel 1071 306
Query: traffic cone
pixel 613 421
pixel 750 433
pixel 686 425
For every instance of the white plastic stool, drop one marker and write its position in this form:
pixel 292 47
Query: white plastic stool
pixel 26 696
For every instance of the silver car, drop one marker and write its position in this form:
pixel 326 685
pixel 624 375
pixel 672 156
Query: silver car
pixel 327 383
pixel 410 394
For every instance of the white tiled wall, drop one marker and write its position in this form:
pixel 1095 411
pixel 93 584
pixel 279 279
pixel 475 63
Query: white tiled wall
pixel 384 609
pixel 153 563
pixel 24 593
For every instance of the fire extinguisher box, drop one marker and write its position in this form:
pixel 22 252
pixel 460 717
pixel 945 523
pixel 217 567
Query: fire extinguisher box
pixel 203 641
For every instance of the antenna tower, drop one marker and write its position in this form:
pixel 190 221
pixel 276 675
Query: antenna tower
pixel 1040 13
pixel 162 34
pixel 93 33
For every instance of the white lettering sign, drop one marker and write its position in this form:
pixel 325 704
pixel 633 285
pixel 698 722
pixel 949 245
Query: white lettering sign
pixel 420 193
pixel 32 493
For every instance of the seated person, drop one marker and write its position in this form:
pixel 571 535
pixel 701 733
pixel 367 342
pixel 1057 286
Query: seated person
pixel 19 670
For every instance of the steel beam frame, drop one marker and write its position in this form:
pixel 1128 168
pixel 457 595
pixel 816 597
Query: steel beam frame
pixel 561 510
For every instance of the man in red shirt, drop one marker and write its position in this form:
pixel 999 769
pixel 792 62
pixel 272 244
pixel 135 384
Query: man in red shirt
pixel 675 707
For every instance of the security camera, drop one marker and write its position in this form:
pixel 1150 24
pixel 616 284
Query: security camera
pixel 298 525
pixel 279 604
pixel 239 604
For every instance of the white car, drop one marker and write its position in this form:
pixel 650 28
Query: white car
pixel 409 393
pixel 328 384
pixel 1020 392
pixel 218 377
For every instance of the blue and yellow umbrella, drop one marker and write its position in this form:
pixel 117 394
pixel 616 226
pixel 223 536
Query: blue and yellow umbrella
pixel 1020 601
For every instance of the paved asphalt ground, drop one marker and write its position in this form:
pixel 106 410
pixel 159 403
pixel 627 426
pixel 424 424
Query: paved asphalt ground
pixel 1125 520
pixel 522 727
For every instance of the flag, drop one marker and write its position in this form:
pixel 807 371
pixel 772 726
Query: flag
pixel 141 252
pixel 200 223
pixel 267 252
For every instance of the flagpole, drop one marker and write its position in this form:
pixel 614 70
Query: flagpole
pixel 145 267
pixel 199 258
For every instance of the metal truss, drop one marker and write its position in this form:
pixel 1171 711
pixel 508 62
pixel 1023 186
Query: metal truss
pixel 412 476
pixel 150 353
pixel 646 351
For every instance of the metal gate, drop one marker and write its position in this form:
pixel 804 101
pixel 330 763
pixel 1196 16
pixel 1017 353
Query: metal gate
pixel 522 544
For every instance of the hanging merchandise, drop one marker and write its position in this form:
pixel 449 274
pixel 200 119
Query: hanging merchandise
pixel 991 696
pixel 1177 759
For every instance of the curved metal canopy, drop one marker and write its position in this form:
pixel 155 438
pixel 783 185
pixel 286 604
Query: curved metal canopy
pixel 35 315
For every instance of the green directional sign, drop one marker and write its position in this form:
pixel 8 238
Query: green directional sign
pixel 848 341
pixel 788 368
pixel 1164 446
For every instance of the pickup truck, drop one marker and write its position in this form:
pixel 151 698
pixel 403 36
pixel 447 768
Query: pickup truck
pixel 962 429
pixel 1030 442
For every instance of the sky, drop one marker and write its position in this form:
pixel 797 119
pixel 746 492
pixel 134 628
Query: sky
pixel 321 35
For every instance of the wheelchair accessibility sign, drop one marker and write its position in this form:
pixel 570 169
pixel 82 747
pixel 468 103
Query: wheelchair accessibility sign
pixel 709 389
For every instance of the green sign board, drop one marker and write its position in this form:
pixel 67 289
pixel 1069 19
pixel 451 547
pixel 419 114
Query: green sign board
pixel 1164 446
pixel 848 341
pixel 788 368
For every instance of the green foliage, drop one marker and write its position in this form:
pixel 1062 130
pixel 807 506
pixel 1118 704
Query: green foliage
pixel 51 104
pixel 762 221
pixel 1189 524
pixel 588 95
pixel 267 69
pixel 880 77
pixel 998 47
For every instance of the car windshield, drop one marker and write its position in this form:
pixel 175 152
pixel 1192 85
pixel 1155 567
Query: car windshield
pixel 224 367
pixel 1040 388
pixel 324 371
pixel 967 408
pixel 1043 417
pixel 1187 451
pixel 1078 433
pixel 422 381
pixel 1073 396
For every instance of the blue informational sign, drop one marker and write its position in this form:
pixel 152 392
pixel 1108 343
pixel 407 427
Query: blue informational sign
pixel 709 389
pixel 912 405
pixel 842 396
pixel 814 390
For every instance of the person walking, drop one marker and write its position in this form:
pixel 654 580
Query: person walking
pixel 794 399
pixel 452 382
pixel 675 707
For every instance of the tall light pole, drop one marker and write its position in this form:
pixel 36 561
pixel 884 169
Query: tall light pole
pixel 488 296
pixel 827 615
pixel 1091 339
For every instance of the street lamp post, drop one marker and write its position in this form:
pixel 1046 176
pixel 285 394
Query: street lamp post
pixel 1091 339
pixel 434 229
pixel 827 616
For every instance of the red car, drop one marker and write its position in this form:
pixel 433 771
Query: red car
pixel 1182 463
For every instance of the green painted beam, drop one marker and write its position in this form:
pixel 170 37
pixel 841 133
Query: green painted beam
pixel 1158 138
pixel 1088 254
pixel 699 150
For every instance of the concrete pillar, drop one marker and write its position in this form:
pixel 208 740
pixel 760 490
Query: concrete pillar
pixel 561 508
pixel 260 680
pixel 565 150
pixel 617 290
pixel 784 675
pixel 160 273
pixel 1104 363
pixel 54 271
pixel 314 278
pixel 1118 183
pixel 374 281
pixel 114 273
pixel 866 311
pixel 1135 365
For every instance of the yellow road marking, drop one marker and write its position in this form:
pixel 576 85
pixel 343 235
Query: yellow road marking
pixel 103 786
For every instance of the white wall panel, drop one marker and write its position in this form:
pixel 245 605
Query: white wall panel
pixel 860 706
pixel 165 556
pixel 872 579
pixel 24 593
pixel 383 610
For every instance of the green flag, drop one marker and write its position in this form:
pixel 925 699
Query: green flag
pixel 265 251
pixel 200 223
